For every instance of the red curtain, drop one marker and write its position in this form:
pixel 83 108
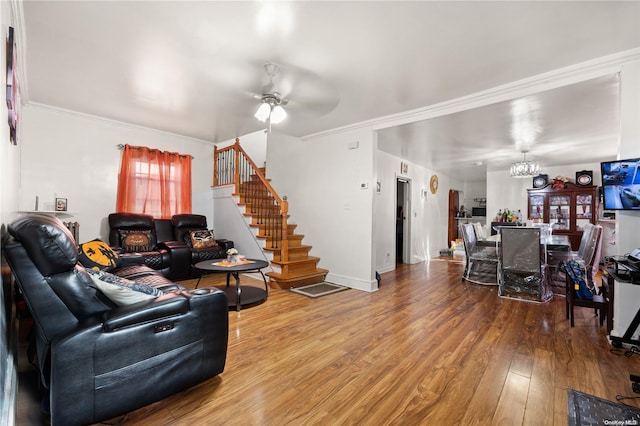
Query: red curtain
pixel 154 182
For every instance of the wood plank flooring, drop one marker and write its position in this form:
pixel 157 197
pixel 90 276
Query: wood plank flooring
pixel 426 349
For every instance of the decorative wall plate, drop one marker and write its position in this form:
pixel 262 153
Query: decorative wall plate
pixel 584 177
pixel 433 184
pixel 540 181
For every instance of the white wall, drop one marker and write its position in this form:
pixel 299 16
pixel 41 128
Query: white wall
pixel 74 156
pixel 321 178
pixel 428 215
pixel 628 223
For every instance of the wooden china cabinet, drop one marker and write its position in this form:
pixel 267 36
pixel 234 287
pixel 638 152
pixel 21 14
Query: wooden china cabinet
pixel 567 209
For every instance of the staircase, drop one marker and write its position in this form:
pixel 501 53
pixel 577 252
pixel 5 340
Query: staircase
pixel 267 213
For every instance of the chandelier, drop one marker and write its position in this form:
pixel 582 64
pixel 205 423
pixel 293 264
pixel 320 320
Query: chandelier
pixel 524 168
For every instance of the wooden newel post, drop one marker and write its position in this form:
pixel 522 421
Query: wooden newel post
pixel 236 171
pixel 215 165
pixel 284 244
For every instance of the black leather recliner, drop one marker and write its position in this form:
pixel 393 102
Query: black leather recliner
pixel 171 259
pixel 183 224
pixel 98 360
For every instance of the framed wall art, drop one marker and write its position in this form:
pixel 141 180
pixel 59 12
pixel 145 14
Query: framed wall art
pixel 12 93
pixel 61 204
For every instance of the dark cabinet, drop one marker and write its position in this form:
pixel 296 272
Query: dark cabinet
pixel 566 209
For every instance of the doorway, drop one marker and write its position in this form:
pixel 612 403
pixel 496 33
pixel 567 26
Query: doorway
pixel 454 201
pixel 403 220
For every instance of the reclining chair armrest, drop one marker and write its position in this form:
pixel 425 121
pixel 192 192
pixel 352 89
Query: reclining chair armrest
pixel 225 244
pixel 180 268
pixel 144 312
pixel 130 259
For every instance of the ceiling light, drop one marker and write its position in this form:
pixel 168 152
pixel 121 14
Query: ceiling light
pixel 263 112
pixel 524 168
pixel 270 109
pixel 278 114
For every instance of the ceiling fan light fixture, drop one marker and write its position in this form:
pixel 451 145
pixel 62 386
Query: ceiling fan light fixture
pixel 278 114
pixel 524 168
pixel 263 112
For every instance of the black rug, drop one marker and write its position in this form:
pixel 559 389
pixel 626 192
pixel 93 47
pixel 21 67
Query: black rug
pixel 587 409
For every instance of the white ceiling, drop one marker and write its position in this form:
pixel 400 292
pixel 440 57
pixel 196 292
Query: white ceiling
pixel 192 68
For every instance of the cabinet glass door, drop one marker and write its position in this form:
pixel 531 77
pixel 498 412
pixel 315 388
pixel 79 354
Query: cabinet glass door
pixel 583 210
pixel 559 211
pixel 536 209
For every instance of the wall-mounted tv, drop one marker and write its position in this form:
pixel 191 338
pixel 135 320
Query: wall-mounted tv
pixel 621 184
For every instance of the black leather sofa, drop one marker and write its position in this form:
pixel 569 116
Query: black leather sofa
pixel 171 251
pixel 98 360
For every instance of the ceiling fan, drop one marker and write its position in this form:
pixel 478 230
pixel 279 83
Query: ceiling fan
pixel 271 101
pixel 302 92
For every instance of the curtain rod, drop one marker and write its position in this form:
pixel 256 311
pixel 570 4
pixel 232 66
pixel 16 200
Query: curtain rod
pixel 120 146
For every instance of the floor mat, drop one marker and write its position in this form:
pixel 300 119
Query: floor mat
pixel 319 289
pixel 587 409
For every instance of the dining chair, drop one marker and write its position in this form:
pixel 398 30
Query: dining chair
pixel 581 288
pixel 582 255
pixel 522 270
pixel 481 262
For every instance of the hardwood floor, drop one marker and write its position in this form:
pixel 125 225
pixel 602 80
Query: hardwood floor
pixel 425 349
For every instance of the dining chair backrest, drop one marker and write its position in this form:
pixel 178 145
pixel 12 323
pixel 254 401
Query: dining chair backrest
pixel 593 252
pixel 520 248
pixel 590 245
pixel 587 235
pixel 468 237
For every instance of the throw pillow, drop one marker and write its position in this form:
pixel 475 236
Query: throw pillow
pixel 202 239
pixel 122 291
pixel 98 255
pixel 132 241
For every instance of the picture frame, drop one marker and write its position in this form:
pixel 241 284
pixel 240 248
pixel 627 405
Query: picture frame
pixel 12 94
pixel 61 204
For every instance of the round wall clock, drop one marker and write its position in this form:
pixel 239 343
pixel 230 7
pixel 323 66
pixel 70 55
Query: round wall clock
pixel 433 184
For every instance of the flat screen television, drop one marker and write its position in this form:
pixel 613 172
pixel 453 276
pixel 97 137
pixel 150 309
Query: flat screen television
pixel 621 184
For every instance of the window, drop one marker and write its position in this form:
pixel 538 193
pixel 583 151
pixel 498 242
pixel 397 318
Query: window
pixel 154 182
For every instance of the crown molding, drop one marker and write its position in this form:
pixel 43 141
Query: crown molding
pixel 606 65
pixel 117 123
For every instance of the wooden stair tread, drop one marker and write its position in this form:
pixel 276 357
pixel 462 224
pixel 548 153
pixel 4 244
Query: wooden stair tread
pixel 306 259
pixel 285 277
pixel 299 248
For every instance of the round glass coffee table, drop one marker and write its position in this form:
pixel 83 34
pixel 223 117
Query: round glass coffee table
pixel 240 296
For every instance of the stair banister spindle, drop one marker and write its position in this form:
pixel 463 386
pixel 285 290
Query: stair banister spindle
pixel 284 245
pixel 236 175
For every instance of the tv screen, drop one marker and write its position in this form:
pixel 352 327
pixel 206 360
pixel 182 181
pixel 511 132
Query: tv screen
pixel 621 184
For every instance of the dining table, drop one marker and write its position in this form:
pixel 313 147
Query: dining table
pixel 553 242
